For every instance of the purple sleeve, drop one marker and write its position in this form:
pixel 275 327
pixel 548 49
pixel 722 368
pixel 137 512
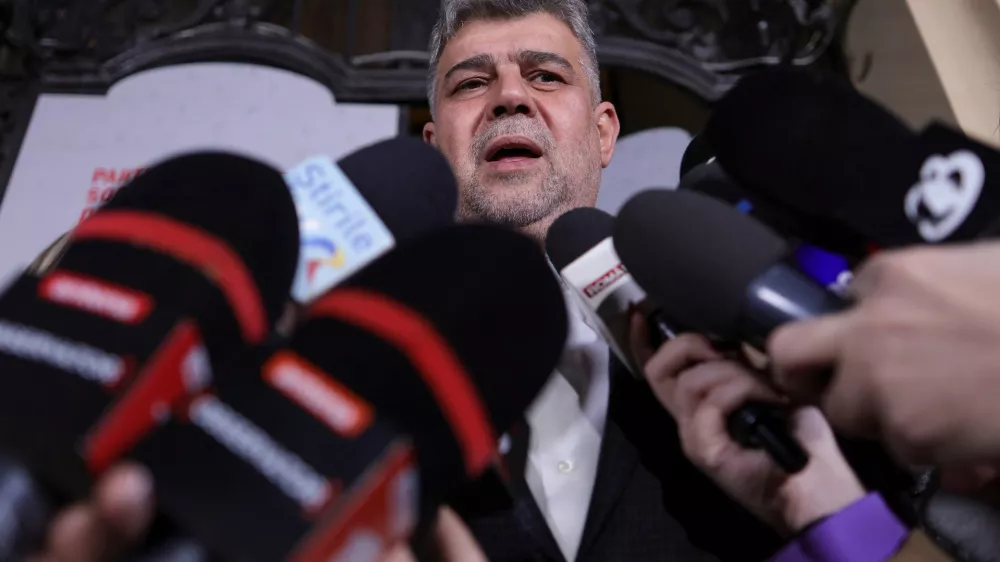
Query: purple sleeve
pixel 865 531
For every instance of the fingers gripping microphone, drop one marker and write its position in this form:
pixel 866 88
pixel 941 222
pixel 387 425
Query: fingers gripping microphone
pixel 389 395
pixel 816 147
pixel 153 294
pixel 720 273
pixel 579 246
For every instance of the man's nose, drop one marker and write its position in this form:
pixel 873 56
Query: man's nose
pixel 513 95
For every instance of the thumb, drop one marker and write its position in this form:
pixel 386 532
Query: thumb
pixel 804 353
pixel 124 498
pixel 455 541
pixel 813 432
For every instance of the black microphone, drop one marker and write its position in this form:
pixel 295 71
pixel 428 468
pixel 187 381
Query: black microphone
pixel 830 269
pixel 816 147
pixel 580 248
pixel 366 185
pixel 360 207
pixel 723 274
pixel 477 303
pixel 157 290
pixel 710 178
pixel 389 395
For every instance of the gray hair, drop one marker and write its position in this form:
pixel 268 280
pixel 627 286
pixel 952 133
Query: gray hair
pixel 456 13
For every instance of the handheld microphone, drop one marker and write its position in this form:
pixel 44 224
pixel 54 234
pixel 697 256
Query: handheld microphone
pixel 389 395
pixel 723 274
pixel 355 210
pixel 818 148
pixel 594 270
pixel 154 292
pixel 579 246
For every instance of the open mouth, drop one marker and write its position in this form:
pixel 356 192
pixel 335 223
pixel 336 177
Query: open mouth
pixel 513 150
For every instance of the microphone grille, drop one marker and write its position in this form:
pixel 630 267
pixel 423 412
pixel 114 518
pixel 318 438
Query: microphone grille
pixel 576 232
pixel 695 255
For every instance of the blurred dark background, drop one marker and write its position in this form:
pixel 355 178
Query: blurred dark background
pixel 663 61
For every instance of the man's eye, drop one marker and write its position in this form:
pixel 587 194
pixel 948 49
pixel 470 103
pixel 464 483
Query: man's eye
pixel 546 77
pixel 471 84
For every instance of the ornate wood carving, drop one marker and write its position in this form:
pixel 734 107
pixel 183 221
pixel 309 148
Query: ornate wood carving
pixel 88 45
pixel 706 45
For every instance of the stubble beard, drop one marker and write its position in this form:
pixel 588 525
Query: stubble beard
pixel 515 200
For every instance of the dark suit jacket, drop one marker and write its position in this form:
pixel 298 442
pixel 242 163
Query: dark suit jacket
pixel 649 503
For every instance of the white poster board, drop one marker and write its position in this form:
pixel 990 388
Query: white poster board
pixel 79 148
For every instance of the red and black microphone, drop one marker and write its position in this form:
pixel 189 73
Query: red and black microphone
pixel 388 397
pixel 426 201
pixel 187 266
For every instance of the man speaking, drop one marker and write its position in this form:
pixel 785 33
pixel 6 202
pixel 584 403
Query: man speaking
pixel 599 474
pixel 516 104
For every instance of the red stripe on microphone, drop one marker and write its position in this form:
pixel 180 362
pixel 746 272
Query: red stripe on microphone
pixel 189 244
pixel 433 358
pixel 160 387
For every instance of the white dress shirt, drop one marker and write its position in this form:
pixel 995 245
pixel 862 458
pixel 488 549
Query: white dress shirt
pixel 567 425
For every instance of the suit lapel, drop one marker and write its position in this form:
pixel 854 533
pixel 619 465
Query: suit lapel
pixel 617 463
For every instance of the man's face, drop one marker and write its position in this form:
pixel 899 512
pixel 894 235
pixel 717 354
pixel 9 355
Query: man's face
pixel 515 118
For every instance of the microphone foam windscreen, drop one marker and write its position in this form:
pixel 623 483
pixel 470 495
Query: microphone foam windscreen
pixel 244 202
pixel 575 233
pixel 491 297
pixel 407 182
pixel 710 179
pixel 805 141
pixel 694 254
pixel 698 152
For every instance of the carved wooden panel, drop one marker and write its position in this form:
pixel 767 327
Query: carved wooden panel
pixel 375 50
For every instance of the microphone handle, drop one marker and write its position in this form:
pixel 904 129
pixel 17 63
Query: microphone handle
pixel 758 425
pixel 755 425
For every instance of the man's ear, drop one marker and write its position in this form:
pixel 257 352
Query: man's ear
pixel 429 136
pixel 608 127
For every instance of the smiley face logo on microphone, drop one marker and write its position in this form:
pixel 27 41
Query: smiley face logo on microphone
pixel 947 193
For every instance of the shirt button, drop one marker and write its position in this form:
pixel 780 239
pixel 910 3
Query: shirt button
pixel 565 467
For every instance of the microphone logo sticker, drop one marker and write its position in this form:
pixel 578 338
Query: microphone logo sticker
pixel 320 252
pixel 606 280
pixel 339 231
pixel 947 193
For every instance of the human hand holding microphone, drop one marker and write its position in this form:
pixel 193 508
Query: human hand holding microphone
pixel 720 407
pixel 720 274
pixel 912 359
pixel 701 388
